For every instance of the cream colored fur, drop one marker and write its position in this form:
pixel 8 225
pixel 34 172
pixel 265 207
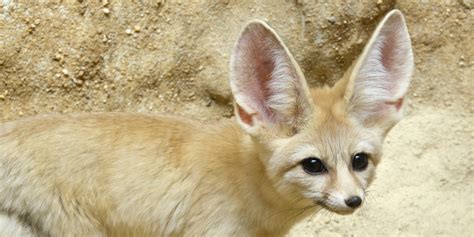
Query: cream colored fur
pixel 115 174
pixel 11 226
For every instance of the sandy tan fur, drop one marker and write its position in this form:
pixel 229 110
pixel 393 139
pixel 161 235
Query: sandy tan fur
pixel 117 174
pixel 154 176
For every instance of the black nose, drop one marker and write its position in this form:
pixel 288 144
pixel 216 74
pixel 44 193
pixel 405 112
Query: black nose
pixel 353 201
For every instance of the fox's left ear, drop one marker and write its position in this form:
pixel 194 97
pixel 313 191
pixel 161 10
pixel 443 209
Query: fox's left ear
pixel 381 76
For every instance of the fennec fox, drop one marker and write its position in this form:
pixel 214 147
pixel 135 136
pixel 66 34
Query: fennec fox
pixel 290 152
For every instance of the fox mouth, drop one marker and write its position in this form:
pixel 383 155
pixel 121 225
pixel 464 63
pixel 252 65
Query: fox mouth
pixel 335 209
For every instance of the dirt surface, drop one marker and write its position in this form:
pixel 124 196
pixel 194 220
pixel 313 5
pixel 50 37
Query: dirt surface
pixel 82 56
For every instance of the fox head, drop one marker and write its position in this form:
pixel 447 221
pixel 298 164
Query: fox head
pixel 320 145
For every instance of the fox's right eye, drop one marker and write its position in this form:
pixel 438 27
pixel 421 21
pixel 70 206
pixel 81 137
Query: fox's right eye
pixel 313 166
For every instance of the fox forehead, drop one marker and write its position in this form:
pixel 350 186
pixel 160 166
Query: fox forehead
pixel 330 140
pixel 338 140
pixel 332 135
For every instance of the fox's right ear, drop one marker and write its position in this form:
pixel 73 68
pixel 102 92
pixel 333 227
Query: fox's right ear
pixel 269 89
pixel 380 79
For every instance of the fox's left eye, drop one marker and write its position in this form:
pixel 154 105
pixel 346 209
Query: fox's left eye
pixel 360 161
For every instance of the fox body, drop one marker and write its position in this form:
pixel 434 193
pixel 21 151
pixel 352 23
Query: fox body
pixel 289 152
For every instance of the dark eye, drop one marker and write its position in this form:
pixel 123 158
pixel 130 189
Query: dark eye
pixel 313 166
pixel 360 161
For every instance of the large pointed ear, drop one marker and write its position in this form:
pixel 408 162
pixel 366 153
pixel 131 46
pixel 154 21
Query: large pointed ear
pixel 269 88
pixel 382 74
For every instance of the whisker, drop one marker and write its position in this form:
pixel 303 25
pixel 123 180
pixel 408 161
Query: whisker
pixel 292 208
pixel 304 210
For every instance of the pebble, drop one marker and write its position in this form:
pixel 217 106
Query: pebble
pixel 58 57
pixel 106 11
pixel 79 82
pixel 128 31
pixel 136 28
pixel 332 19
pixel 65 72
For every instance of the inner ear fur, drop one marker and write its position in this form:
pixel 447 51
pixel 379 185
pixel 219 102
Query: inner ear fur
pixel 269 88
pixel 381 76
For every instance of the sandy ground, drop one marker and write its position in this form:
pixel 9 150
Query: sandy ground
pixel 166 56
